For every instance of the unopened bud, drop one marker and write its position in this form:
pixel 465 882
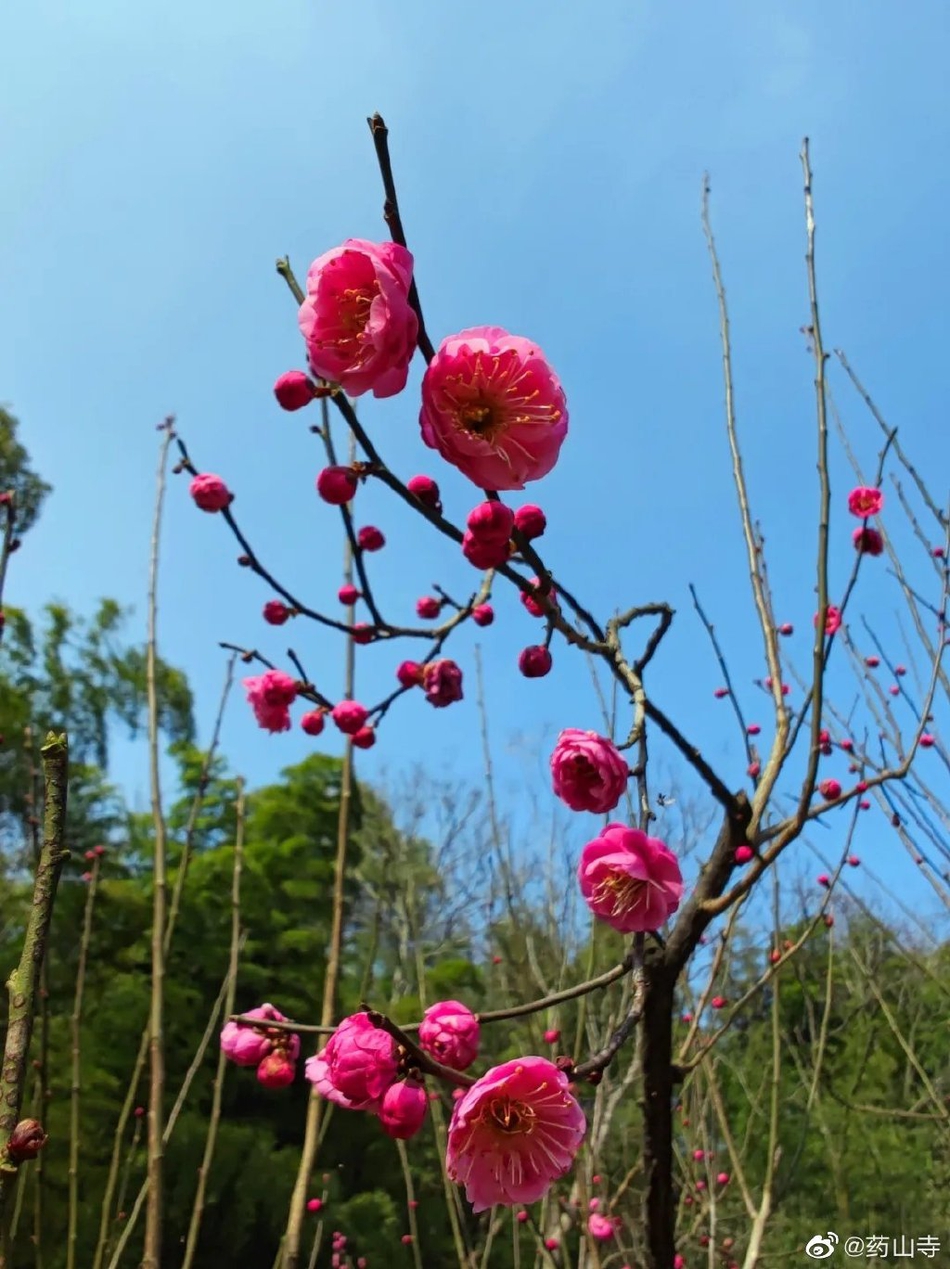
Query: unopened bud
pixel 26 1141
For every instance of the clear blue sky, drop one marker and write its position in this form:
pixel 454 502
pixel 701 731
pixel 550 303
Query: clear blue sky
pixel 157 157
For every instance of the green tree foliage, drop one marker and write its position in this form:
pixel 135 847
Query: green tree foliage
pixel 17 475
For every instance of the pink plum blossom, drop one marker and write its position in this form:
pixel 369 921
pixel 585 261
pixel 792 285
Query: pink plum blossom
pixel 247 1045
pixel 867 541
pixel 483 614
pixel 864 502
pixel 449 1031
pixel 357 322
pixel 336 485
pixel 491 521
pixel 209 492
pixel 403 1109
pixel 530 521
pixel 270 695
pixel 535 602
pixel 534 662
pixel 589 772
pixel 493 407
pixel 349 716
pixel 277 1069
pixel 356 1066
pixel 629 880
pixel 600 1227
pixel 832 620
pixel 513 1133
pixel 294 390
pixel 442 682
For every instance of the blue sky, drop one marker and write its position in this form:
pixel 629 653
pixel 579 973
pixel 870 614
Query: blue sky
pixel 158 157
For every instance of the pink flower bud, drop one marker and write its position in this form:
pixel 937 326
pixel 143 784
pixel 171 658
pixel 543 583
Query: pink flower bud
pixel 87 876
pixel 588 771
pixel 551 1244
pixel 336 485
pixel 90 855
pixel 522 1217
pixel 720 692
pixel 786 628
pixel 314 1204
pixel 365 738
pixel 832 620
pixel 209 492
pixel 533 601
pixel 276 1070
pixel 139 1112
pixel 442 682
pixel 491 522
pixel 829 789
pixel 26 1141
pixel 483 614
pixel 348 594
pixel 847 745
pixel 861 786
pixel 294 390
pixel 450 1032
pixel 686 1017
pixel 428 607
pixel 828 920
pixel 823 880
pixel 363 632
pixel 275 613
pixel 775 956
pixel 409 673
pixel 484 554
pixel 312 722
pixel 406 1239
pixel 872 662
pixel 743 854
pixel 719 1002
pixel 270 696
pixel 247 1045
pixel 700 1185
pixel 926 740
pixel 853 861
pixel 699 1155
pixel 552 1035
pixel 900 670
pixel 530 521
pixel 938 553
pixel 404 1109
pixel 864 804
pixel 867 542
pixel 894 690
pixel 370 538
pixel 349 716
pixel 722 1178
pixel 753 729
pixel 426 490
pixel 753 769
pixel 600 1227
pixel 99 850
pixel 593 1205
pixel 534 662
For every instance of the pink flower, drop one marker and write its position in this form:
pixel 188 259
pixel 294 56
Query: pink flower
pixel 428 607
pixel 426 490
pixel 209 492
pixel 864 502
pixel 483 614
pixel 294 390
pixel 349 716
pixel 551 1244
pixel 629 880
pixel 679 1262
pixel 276 1070
pixel 364 738
pixel 593 1205
pixel 409 673
pixel 348 594
pixel 743 854
pixel 357 322
pixel 442 682
pixel 867 541
pixel 403 1109
pixel 719 1002
pixel 589 772
pixel 600 1227
pixel 356 1066
pixel 926 740
pixel 449 1031
pixel 829 789
pixel 720 692
pixel 491 522
pixel 275 613
pixel 270 695
pixel 533 601
pixel 314 1204
pixel 363 632
pixel 722 1178
pixel 753 729
pixel 872 662
pixel 534 662
pixel 484 554
pixel 853 861
pixel 832 620
pixel 900 669
pixel 786 628
pixel 938 553
pixel 530 521
pixel 515 1131
pixel 312 722
pixel 824 880
pixel 699 1155
pixel 370 538
pixel 248 1045
pixel 336 485
pixel 522 1216
pixel 493 407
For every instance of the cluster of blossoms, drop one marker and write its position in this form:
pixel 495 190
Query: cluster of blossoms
pixel 272 1050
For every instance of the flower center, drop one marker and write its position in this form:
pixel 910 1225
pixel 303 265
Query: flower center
pixel 478 419
pixel 583 767
pixel 354 310
pixel 621 891
pixel 510 1117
